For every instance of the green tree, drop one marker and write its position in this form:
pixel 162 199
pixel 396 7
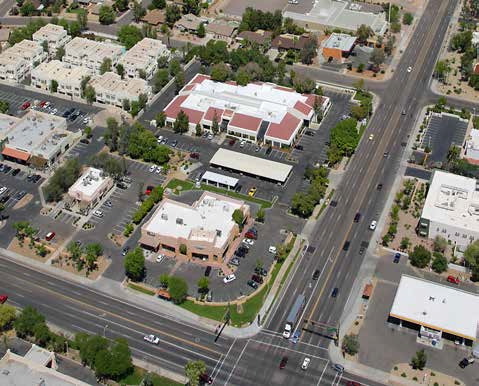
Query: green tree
pixel 121 363
pixel 7 316
pixel 377 56
pixel 112 133
pixel 27 321
pixel 82 18
pixel 260 215
pixel 159 4
pixel 220 72
pixel 181 124
pixel 471 256
pixel 395 27
pixel 125 104
pixel 439 264
pixel 92 252
pixel 53 86
pixel 183 249
pixel 138 11
pixel 120 5
pixel 62 179
pixel 389 45
pixel 203 284
pixel 191 6
pixel 405 243
pixel 160 79
pixel 309 50
pixel 215 128
pixel 407 18
pixel 178 289
pixel 164 280
pixel 27 8
pixel 440 244
pixel 345 136
pixel 90 94
pixel 160 119
pixel 120 70
pixel 4 106
pixel 193 370
pixel 364 32
pixel 419 360
pixel 172 14
pixel 302 204
pixel 420 256
pixel 74 28
pixel 89 347
pixel 198 130
pixel 238 217
pixel 201 32
pixel 74 251
pixel 360 67
pixel 134 264
pixel 129 35
pixel 105 66
pixel 179 81
pixel 350 344
pixel 174 67
pixel 106 15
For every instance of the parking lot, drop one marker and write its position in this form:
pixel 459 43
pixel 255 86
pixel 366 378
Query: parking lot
pixel 442 132
pixel 16 96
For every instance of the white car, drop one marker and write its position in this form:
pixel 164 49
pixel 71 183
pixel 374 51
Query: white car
pixel 3 189
pixel 272 249
pixel 54 111
pixel 305 364
pixel 371 137
pixel 248 241
pixel 373 224
pixel 152 168
pixel 242 143
pixel 158 170
pixel 229 278
pixel 160 258
pixel 409 69
pixel 151 339
pixel 98 213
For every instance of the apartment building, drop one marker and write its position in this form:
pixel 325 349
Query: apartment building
pixel 143 57
pixel 16 62
pixel 90 54
pixel 56 36
pixel 111 89
pixel 68 78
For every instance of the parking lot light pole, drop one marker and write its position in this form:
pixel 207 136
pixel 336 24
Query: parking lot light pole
pixel 104 330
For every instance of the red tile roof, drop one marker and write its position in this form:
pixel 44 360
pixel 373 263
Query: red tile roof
pixel 302 107
pixel 188 87
pixel 172 110
pixel 199 78
pixel 14 153
pixel 285 129
pixel 310 99
pixel 282 88
pixel 210 113
pixel 246 122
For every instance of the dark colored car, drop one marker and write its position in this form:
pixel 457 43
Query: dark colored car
pixel 231 142
pixel 252 284
pixel 379 187
pixel 36 178
pixel 208 270
pixel 357 217
pixel 6 169
pixel 283 363
pixel 15 171
pixel 257 278
pixel 346 245
pixel 466 362
pixel 4 199
pixel 195 155
pixel 125 251
pixel 261 271
pixel 205 379
pixel 397 257
pixel 121 185
pixel 333 203
pixel 85 141
pixel 68 112
pixel 299 147
pixel 20 195
pixel 335 292
pixel 309 132
pixel 316 274
pixel 240 253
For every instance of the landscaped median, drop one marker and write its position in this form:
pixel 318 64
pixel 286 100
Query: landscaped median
pixel 242 312
pixel 178 186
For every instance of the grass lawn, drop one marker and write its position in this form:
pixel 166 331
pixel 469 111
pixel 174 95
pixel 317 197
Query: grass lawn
pixel 140 289
pixel 363 97
pixel 211 312
pixel 137 375
pixel 187 185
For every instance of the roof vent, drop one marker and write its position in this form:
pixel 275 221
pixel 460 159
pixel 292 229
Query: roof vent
pixel 431 298
pixel 164 216
pixel 179 221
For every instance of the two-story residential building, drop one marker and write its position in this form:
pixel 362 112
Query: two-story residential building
pixel 91 54
pixel 142 58
pixel 68 78
pixel 55 35
pixel 16 62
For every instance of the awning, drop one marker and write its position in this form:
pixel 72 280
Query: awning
pixel 14 153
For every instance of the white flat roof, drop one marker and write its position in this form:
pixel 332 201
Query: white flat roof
pixel 437 306
pixel 220 178
pixel 252 165
pixel 342 42
pixel 209 219
pixel 88 184
pixel 453 200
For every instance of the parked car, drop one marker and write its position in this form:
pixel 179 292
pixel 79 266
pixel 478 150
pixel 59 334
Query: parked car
pixel 3 298
pixel 36 178
pixel 98 213
pixel 352 383
pixel 148 190
pixel 20 195
pixel 125 250
pixel 242 143
pixel 252 284
pixel 208 270
pixel 229 278
pixel 337 367
pixel 174 143
pixel 235 261
pixel 252 191
pixel 283 363
pixel 248 241
pixel 309 132
pixel 299 147
pixel 371 137
pixel 195 155
pixel 205 378
pixel 25 105
pixel 121 185
pixel 151 339
pixel 152 168
pixel 379 186
pixel 6 169
pixel 453 280
pixel 160 258
pixel 261 271
pixel 397 257
pixel 50 236
pixel 272 249
pixel 15 171
pixel 231 142
pixel 251 235
pixel 257 278
pixel 3 189
pixel 306 363
pixel 466 362
pixel 4 199
pixel 85 141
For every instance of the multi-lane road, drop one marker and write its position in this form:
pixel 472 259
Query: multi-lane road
pixel 255 360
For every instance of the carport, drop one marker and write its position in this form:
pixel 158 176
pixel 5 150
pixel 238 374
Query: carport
pixel 253 166
pixel 219 180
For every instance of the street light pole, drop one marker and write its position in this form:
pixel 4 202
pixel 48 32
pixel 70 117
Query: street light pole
pixel 104 330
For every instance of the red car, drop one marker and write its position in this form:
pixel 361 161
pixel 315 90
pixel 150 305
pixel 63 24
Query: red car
pixel 148 190
pixel 3 298
pixel 25 105
pixel 231 142
pixel 205 378
pixel 453 280
pixel 195 155
pixel 283 363
pixel 251 235
pixel 352 383
pixel 49 236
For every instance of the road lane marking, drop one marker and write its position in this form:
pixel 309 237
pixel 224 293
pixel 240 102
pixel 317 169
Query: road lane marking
pixel 224 359
pixel 288 349
pixel 322 373
pixel 236 363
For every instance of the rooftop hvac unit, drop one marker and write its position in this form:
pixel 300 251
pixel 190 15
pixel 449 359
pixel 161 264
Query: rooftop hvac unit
pixel 179 221
pixel 164 216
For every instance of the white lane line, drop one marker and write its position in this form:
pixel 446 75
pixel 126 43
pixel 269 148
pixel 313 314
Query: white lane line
pixel 224 359
pixel 236 363
pixel 288 349
pixel 322 373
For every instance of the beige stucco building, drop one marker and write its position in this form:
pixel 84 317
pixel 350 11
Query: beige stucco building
pixel 206 228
